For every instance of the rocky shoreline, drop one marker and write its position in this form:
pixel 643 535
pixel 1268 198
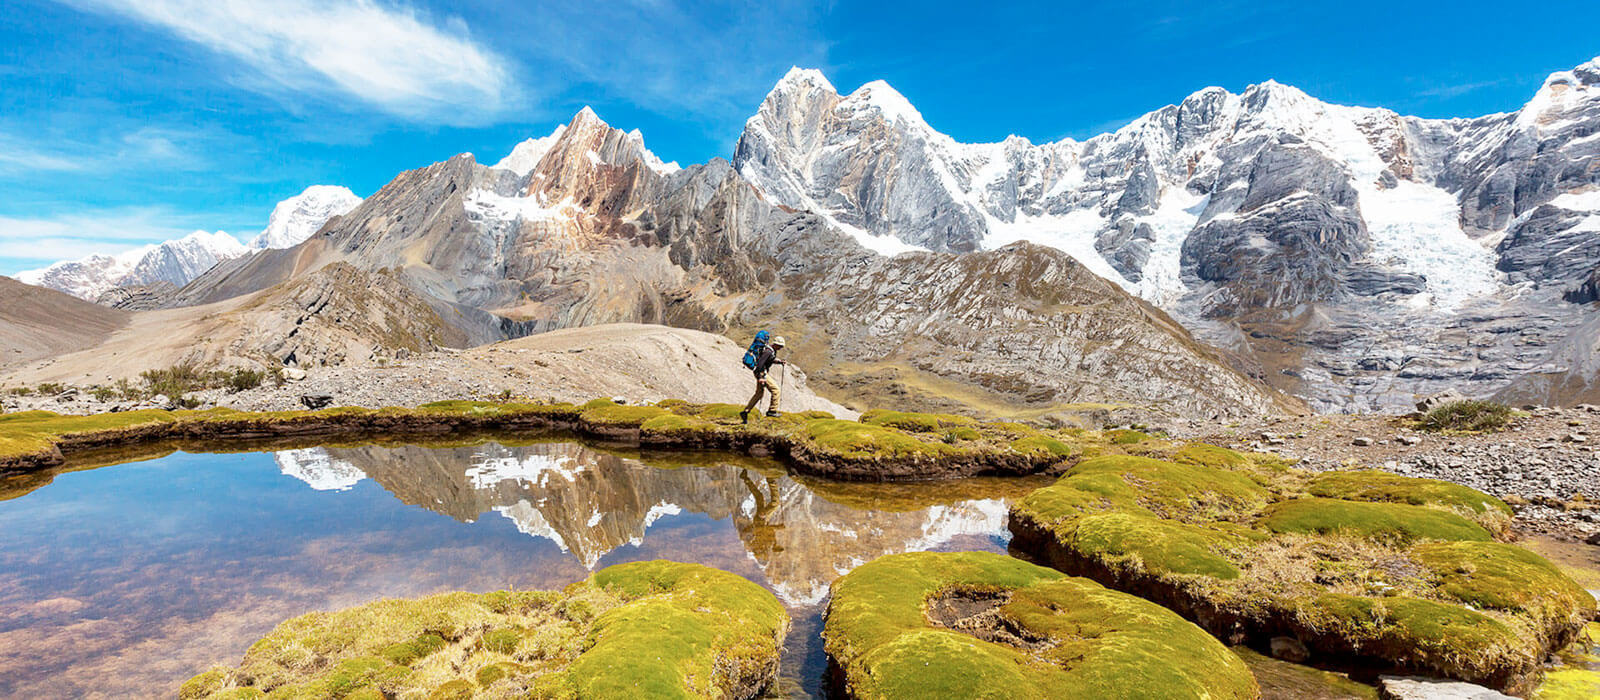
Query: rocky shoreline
pixel 1547 464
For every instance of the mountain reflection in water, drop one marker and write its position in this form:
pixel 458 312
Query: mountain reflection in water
pixel 125 580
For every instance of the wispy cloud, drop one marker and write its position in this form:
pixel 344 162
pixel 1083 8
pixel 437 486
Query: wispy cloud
pixel 1457 90
pixel 714 59
pixel 393 57
pixel 148 147
pixel 35 242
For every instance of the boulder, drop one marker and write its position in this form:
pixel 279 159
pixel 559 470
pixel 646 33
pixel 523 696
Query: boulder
pixel 655 628
pixel 1289 649
pixel 292 374
pixel 979 624
pixel 1440 399
pixel 316 401
pixel 1418 688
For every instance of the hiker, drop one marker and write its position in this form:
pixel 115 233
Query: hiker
pixel 766 357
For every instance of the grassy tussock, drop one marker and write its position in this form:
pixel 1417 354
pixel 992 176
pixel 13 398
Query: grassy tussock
pixel 1471 416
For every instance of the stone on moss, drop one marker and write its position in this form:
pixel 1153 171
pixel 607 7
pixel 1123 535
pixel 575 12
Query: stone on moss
pixel 977 624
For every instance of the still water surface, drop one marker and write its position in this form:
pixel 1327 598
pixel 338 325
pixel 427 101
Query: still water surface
pixel 125 580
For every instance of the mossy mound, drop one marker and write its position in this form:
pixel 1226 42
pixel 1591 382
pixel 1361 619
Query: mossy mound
pixel 649 629
pixel 976 624
pixel 1578 675
pixel 1365 569
pixel 883 446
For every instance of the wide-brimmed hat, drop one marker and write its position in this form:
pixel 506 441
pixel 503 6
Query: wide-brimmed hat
pixel 778 342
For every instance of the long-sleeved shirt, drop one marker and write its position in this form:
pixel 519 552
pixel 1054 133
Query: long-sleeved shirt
pixel 765 359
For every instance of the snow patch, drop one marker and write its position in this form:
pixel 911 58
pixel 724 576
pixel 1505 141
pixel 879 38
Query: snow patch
pixel 488 470
pixel 1161 281
pixel 318 469
pixel 488 205
pixel 1416 228
pixel 526 155
pixel 1072 233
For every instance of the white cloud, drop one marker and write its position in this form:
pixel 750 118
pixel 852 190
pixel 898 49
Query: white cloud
pixel 390 56
pixel 714 58
pixel 28 242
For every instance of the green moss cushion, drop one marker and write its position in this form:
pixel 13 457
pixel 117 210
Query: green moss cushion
pixel 654 629
pixel 1363 567
pixel 883 446
pixel 976 624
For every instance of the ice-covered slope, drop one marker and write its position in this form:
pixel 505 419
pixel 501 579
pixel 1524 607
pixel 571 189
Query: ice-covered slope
pixel 295 219
pixel 1345 242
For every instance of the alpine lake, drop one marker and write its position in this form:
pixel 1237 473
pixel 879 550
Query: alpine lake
pixel 123 573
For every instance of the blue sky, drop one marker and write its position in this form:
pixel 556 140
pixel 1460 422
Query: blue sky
pixel 131 121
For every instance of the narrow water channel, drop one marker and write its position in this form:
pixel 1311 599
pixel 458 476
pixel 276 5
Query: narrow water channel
pixel 125 580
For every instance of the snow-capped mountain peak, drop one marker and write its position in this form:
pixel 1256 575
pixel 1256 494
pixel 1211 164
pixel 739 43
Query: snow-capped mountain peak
pixel 887 101
pixel 180 260
pixel 295 219
pixel 525 156
pixel 803 79
pixel 176 261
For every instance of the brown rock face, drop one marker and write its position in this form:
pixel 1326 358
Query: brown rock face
pixel 37 322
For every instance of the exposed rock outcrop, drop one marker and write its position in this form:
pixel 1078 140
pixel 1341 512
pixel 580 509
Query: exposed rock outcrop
pixel 1339 248
pixel 598 230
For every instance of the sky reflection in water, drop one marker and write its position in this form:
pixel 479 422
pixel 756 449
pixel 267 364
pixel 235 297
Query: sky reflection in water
pixel 126 580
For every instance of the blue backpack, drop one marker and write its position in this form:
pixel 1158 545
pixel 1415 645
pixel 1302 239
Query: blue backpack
pixel 755 349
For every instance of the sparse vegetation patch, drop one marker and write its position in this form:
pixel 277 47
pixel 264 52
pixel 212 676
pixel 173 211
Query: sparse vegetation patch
pixel 1470 416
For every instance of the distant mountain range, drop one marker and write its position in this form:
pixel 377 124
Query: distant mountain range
pixel 1356 255
pixel 178 261
pixel 1198 261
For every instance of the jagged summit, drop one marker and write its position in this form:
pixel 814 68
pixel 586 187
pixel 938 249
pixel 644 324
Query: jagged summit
pixel 798 76
pixel 1268 207
pixel 295 219
pixel 586 126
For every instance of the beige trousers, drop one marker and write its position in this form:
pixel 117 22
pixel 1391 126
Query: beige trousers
pixel 764 385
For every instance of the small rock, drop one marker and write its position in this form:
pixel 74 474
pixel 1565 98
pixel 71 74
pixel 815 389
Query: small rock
pixel 1419 688
pixel 293 374
pixel 1289 649
pixel 316 401
pixel 1594 539
pixel 1410 440
pixel 1362 442
pixel 1574 437
pixel 1437 400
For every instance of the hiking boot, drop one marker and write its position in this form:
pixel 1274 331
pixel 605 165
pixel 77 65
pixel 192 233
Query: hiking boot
pixel 773 414
pixel 744 417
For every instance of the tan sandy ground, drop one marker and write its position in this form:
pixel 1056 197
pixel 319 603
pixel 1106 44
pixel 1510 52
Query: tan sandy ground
pixel 634 362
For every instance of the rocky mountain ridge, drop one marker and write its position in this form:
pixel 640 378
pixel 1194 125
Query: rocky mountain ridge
pixel 1346 250
pixel 599 230
pixel 1352 256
